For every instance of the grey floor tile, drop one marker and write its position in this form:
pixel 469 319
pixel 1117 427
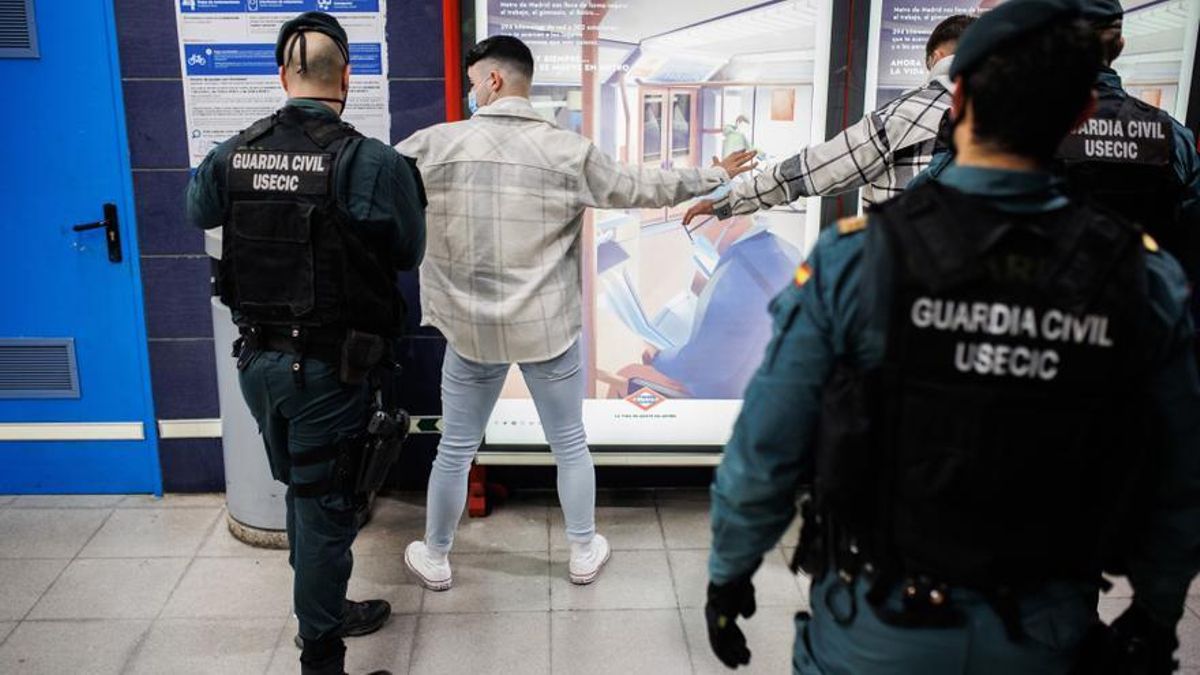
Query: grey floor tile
pixel 685 522
pixel 770 634
pixel 220 543
pixel 207 647
pixel 394 523
pixel 92 647
pixel 383 577
pixel 626 527
pixel 174 501
pixel 6 628
pixel 495 582
pixel 47 533
pixel 631 580
pixel 111 589
pixel 774 584
pixel 513 527
pixel 619 643
pixel 1111 608
pixel 791 537
pixel 151 533
pixel 22 583
pixel 5 500
pixel 233 588
pixel 66 501
pixel 390 648
pixel 1189 641
pixel 508 643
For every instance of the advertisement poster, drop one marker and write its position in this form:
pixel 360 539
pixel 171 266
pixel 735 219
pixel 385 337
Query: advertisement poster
pixel 1160 43
pixel 675 319
pixel 904 27
pixel 227 50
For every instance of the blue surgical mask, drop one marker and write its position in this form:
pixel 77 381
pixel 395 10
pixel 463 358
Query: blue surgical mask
pixel 473 100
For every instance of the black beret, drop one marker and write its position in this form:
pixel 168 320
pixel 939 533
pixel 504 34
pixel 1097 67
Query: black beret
pixel 1103 10
pixel 319 22
pixel 1008 21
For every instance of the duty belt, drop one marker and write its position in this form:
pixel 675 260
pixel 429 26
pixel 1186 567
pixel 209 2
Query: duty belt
pixel 324 344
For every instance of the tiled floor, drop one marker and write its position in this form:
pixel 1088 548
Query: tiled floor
pixel 133 585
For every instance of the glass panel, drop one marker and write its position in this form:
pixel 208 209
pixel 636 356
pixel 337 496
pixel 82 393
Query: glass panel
pixel 652 113
pixel 681 125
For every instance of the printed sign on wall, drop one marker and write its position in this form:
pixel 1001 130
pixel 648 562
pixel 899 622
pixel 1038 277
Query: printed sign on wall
pixel 230 78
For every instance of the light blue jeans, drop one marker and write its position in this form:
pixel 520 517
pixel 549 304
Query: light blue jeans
pixel 469 392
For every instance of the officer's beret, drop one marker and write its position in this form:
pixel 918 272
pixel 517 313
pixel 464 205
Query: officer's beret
pixel 318 22
pixel 1008 21
pixel 1103 10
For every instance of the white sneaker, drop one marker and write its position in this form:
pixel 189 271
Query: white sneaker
pixel 587 560
pixel 431 569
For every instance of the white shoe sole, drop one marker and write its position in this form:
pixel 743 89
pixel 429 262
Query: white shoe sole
pixel 443 585
pixel 585 579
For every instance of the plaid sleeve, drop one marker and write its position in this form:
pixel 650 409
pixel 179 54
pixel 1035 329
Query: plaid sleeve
pixel 853 158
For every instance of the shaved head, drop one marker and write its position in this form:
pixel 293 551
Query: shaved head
pixel 324 59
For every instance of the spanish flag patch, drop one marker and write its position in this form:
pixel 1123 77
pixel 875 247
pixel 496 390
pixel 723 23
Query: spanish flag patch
pixel 851 225
pixel 803 274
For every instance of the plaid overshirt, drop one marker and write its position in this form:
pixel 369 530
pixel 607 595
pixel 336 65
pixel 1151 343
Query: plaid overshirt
pixel 881 154
pixel 507 191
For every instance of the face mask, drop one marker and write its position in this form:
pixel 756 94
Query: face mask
pixel 473 100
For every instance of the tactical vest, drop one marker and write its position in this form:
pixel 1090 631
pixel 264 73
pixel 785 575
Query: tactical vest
pixel 1121 159
pixel 291 255
pixel 994 446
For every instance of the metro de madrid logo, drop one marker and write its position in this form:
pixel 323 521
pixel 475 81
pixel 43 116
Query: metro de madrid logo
pixel 645 398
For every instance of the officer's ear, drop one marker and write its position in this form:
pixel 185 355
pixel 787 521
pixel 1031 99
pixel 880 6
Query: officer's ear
pixel 958 100
pixel 1088 110
pixel 345 78
pixel 283 78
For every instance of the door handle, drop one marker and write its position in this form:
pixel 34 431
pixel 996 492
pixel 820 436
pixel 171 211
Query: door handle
pixel 112 231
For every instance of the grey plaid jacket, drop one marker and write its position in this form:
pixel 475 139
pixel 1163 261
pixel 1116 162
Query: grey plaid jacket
pixel 507 191
pixel 881 153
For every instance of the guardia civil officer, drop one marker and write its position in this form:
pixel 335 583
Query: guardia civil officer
pixel 991 392
pixel 317 219
pixel 1135 158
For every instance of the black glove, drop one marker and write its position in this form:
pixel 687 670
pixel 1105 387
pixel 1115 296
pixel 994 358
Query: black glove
pixel 725 603
pixel 1144 645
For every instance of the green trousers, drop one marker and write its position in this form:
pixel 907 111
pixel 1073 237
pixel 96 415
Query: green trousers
pixel 294 420
pixel 1054 622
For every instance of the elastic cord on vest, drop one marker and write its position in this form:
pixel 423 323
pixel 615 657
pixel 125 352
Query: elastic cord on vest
pixel 300 40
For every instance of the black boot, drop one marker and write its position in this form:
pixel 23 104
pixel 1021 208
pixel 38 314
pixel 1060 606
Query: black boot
pixel 361 618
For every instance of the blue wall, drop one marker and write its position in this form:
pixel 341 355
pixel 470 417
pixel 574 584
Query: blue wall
pixel 175 271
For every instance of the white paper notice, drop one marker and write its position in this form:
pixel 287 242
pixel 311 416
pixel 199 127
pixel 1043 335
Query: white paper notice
pixel 230 79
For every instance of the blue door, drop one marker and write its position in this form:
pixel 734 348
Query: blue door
pixel 75 406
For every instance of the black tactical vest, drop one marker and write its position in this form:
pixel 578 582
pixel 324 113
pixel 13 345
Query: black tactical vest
pixel 1121 159
pixel 994 447
pixel 291 254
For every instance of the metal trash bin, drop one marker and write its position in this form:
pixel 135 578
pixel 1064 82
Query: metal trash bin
pixel 255 500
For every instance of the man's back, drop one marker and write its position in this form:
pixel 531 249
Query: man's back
pixel 507 190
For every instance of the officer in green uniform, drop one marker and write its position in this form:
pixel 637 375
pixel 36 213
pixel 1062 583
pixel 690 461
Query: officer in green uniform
pixel 958 378
pixel 317 220
pixel 1145 167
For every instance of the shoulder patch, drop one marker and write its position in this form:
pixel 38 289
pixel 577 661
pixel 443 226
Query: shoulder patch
pixel 803 274
pixel 1149 243
pixel 851 225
